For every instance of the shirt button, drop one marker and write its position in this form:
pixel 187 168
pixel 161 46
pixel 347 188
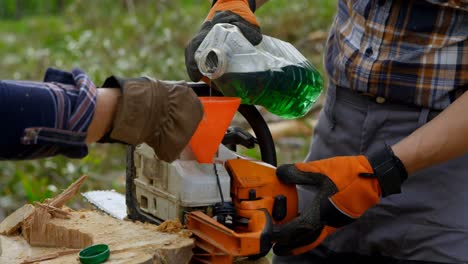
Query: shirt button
pixel 369 52
pixel 380 100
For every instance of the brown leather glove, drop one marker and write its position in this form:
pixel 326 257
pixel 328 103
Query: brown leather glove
pixel 162 114
pixel 236 12
pixel 346 187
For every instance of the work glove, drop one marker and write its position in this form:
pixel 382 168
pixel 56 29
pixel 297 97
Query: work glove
pixel 162 114
pixel 346 187
pixel 236 12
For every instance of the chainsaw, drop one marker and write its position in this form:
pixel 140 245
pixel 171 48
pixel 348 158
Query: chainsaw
pixel 232 206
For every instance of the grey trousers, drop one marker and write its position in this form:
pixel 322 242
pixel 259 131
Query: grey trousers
pixel 428 221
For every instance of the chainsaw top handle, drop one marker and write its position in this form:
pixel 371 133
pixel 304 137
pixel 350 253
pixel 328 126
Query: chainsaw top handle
pixel 253 117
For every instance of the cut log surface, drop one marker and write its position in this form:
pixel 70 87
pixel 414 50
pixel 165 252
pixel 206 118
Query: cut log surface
pixel 129 242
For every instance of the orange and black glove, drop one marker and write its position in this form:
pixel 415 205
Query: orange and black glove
pixel 347 186
pixel 236 12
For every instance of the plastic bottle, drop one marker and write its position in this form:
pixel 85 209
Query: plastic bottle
pixel 272 74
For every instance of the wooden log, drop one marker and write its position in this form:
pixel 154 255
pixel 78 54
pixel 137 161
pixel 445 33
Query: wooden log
pixel 129 242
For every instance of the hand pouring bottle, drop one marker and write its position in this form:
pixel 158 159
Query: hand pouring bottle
pixel 272 74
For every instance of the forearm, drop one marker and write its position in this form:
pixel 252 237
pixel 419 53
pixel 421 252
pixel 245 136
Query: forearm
pixel 443 138
pixel 47 118
pixel 106 106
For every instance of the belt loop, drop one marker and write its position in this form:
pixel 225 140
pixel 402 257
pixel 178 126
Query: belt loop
pixel 331 105
pixel 423 116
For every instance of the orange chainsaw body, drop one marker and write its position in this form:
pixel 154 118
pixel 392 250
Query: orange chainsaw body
pixel 260 201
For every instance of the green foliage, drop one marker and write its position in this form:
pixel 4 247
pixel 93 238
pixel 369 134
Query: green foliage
pixel 35 188
pixel 13 9
pixel 126 38
pixel 106 37
pixel 37 180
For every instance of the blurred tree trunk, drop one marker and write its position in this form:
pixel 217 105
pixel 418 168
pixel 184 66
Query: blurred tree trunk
pixel 19 5
pixel 129 5
pixel 59 5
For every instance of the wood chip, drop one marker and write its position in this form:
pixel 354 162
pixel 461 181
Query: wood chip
pixel 66 195
pixel 39 231
pixel 13 222
pixel 54 211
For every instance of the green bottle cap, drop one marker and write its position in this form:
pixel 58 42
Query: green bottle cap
pixel 94 254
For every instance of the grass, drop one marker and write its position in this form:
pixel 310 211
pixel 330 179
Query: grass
pixel 106 38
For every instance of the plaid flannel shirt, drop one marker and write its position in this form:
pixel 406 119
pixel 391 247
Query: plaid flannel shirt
pixel 407 51
pixel 47 118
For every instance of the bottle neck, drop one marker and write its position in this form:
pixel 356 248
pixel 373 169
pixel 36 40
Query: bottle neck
pixel 212 63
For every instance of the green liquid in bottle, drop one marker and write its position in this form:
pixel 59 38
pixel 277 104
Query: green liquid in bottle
pixel 288 92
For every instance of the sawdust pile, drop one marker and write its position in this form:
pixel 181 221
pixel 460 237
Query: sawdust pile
pixel 174 227
pixel 170 226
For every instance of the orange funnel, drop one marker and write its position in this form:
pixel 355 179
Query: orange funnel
pixel 219 112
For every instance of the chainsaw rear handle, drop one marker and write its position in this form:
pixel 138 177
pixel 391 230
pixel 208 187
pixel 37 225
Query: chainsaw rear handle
pixel 261 204
pixel 249 112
